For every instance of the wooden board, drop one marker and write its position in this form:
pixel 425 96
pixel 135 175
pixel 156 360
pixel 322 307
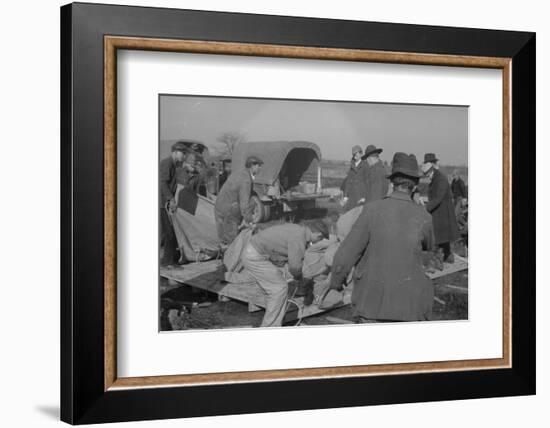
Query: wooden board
pixel 209 276
pixel 459 264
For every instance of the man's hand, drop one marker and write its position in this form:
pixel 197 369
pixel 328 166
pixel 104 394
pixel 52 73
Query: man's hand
pixel 172 205
pixel 361 201
pixel 336 285
pixel 343 201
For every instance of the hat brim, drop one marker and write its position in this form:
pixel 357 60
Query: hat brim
pixel 372 152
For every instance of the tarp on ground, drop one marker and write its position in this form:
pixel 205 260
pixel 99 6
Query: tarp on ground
pixel 196 234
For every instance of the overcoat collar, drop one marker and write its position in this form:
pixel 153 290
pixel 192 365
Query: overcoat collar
pixel 402 196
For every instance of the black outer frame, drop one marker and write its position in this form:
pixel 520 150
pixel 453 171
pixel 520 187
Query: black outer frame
pixel 83 399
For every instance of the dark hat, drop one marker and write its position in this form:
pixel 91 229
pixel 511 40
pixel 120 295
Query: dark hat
pixel 430 157
pixel 253 160
pixel 404 164
pixel 180 147
pixel 356 149
pixel 371 150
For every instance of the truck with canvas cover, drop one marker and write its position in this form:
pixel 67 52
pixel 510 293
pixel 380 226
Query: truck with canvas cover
pixel 290 178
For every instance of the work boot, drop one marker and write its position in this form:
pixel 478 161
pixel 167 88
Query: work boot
pixel 308 298
pixel 450 259
pixel 303 286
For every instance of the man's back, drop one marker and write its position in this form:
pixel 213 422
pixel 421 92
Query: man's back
pixel 287 240
pixel 385 246
pixel 233 190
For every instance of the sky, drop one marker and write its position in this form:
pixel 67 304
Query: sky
pixel 334 126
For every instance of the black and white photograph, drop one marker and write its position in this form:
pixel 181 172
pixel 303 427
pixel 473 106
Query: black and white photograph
pixel 291 212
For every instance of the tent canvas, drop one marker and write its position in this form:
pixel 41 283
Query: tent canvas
pixel 301 164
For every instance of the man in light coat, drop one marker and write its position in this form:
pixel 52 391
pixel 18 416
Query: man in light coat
pixel 233 203
pixel 285 241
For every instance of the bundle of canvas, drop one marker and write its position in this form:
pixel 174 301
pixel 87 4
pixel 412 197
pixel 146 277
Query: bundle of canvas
pixel 314 258
pixel 232 255
pixel 346 222
pixel 196 233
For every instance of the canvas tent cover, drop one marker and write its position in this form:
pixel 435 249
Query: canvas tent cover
pixel 304 159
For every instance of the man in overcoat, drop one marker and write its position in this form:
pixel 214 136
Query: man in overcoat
pixel 233 203
pixel 440 206
pixel 354 185
pixel 458 189
pixel 385 245
pixel 375 175
pixel 168 170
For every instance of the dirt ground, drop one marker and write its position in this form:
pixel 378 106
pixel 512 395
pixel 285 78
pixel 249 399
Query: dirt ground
pixel 205 311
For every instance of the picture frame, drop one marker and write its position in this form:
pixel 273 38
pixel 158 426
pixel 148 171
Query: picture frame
pixel 91 392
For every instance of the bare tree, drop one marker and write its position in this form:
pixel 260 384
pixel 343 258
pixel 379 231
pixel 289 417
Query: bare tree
pixel 230 140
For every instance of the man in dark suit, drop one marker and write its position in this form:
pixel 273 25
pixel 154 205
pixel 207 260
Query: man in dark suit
pixel 458 189
pixel 168 182
pixel 375 175
pixel 354 185
pixel 440 206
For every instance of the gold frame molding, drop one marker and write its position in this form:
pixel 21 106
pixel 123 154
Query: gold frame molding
pixel 113 43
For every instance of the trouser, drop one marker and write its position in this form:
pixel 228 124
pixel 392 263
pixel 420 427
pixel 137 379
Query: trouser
pixel 169 237
pixel 227 227
pixel 271 281
pixel 446 247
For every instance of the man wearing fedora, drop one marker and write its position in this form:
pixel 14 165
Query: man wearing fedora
pixel 354 185
pixel 168 170
pixel 440 206
pixel 385 246
pixel 375 175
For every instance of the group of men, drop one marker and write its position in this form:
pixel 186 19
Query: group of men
pixel 366 180
pixel 283 242
pixel 384 246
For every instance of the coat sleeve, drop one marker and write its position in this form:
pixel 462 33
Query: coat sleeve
pixel 296 251
pixel 164 173
pixel 351 249
pixel 363 189
pixel 439 190
pixel 244 198
pixel 428 237
pixel 344 184
pixel 377 185
pixel 463 192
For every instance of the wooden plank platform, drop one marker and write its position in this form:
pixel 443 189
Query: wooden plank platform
pixel 459 264
pixel 209 276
